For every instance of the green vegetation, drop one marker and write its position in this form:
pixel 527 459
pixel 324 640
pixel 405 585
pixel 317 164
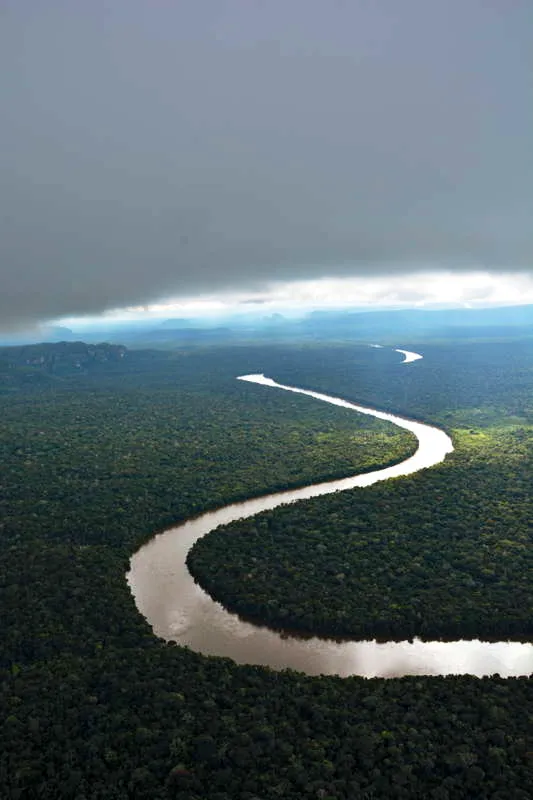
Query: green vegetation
pixel 95 459
pixel 444 554
pixel 132 447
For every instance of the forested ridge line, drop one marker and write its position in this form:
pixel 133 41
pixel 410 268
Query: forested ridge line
pixel 94 707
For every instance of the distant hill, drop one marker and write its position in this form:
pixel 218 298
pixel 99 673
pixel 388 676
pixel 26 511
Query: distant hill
pixel 44 333
pixel 396 326
pixel 178 323
pixel 442 322
pixel 38 363
pixel 362 326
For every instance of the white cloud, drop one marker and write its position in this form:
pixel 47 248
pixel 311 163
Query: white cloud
pixel 417 290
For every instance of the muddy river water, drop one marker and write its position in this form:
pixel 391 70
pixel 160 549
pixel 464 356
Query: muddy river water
pixel 179 610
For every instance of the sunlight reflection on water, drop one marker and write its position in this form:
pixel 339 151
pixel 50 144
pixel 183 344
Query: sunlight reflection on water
pixel 179 610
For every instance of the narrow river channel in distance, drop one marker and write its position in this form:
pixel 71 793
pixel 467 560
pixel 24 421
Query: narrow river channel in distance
pixel 179 610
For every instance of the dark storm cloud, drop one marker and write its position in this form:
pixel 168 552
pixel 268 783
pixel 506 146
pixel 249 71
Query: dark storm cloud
pixel 171 148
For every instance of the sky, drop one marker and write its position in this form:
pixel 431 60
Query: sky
pixel 165 153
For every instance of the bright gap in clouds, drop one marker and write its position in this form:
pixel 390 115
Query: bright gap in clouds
pixel 417 290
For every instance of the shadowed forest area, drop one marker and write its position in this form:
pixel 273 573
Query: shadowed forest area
pixel 105 448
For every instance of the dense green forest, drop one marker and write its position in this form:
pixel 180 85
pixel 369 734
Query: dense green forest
pixel 442 554
pixel 128 448
pixel 99 456
pixel 445 554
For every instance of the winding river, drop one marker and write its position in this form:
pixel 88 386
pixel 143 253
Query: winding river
pixel 179 610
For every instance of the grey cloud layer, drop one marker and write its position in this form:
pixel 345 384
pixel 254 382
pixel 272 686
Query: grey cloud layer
pixel 150 149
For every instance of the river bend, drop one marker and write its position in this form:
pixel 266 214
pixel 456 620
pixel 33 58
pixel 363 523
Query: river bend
pixel 179 610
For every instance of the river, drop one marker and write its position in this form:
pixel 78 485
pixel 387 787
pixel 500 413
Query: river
pixel 179 610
